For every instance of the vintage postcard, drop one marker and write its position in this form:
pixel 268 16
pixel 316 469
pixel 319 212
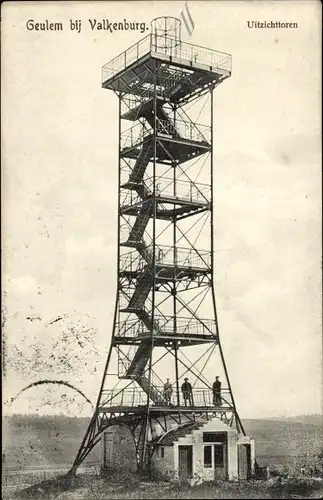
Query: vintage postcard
pixel 161 249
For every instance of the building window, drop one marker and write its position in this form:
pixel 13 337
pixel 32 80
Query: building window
pixel 208 457
pixel 215 437
pixel 162 452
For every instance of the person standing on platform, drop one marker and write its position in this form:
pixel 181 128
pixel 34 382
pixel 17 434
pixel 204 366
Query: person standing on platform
pixel 168 391
pixel 187 392
pixel 217 392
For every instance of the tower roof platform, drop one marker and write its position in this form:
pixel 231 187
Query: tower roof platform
pixel 184 68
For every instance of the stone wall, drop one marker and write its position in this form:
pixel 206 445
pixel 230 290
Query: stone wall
pixel 163 467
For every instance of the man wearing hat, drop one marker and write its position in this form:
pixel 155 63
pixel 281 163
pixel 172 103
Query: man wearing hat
pixel 187 392
pixel 217 392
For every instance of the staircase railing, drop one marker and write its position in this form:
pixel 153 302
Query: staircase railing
pixel 131 262
pixel 175 78
pixel 139 226
pixel 128 198
pixel 138 171
pixel 135 135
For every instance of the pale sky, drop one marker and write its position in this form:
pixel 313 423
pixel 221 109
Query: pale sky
pixel 59 196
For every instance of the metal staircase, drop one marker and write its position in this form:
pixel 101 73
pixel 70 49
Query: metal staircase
pixel 142 161
pixel 136 305
pixel 141 222
pixel 145 251
pixel 147 321
pixel 155 395
pixel 164 124
pixel 141 293
pixel 137 371
pixel 139 361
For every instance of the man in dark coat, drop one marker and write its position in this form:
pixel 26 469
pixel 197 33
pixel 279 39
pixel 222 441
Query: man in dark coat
pixel 217 392
pixel 187 392
pixel 168 390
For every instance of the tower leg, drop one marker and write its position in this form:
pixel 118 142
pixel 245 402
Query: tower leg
pixel 141 446
pixel 72 471
pixel 91 438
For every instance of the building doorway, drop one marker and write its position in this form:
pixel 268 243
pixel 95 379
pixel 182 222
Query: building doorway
pixel 244 461
pixel 108 445
pixel 185 461
pixel 220 468
pixel 215 453
pixel 215 458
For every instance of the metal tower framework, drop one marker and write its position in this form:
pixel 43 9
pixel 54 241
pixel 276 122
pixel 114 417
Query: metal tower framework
pixel 165 320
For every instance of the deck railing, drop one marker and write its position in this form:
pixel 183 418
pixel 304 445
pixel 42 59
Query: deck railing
pixel 136 396
pixel 185 130
pixel 166 255
pixel 184 257
pixel 165 325
pixel 186 52
pixel 165 187
pixel 184 190
pixel 126 58
pixel 126 397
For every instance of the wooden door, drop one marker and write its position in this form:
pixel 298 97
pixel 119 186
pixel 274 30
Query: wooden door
pixel 220 461
pixel 108 449
pixel 185 461
pixel 244 461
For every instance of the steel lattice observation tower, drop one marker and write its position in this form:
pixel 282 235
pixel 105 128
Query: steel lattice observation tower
pixel 165 319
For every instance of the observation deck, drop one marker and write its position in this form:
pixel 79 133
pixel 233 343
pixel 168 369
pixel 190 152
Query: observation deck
pixel 188 197
pixel 185 69
pixel 192 139
pixel 134 400
pixel 187 331
pixel 183 261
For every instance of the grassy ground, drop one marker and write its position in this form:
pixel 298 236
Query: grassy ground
pixel 130 486
pixel 50 441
